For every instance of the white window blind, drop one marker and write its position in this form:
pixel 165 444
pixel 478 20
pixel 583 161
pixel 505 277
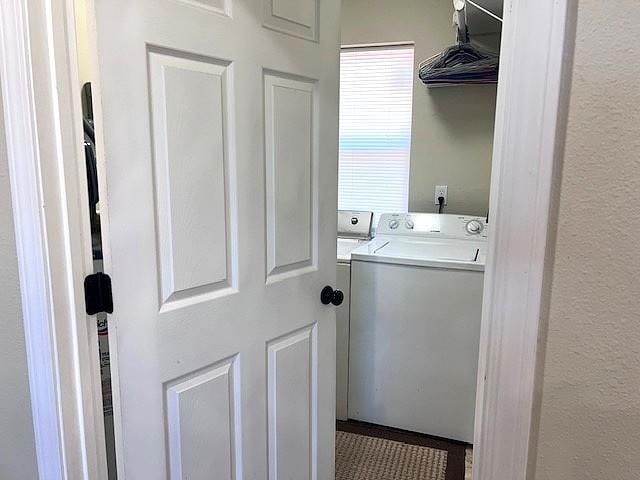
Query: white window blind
pixel 376 91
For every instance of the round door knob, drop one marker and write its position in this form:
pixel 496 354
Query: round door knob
pixel 329 295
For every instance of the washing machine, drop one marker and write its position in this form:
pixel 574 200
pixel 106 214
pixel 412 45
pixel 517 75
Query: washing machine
pixel 354 231
pixel 416 302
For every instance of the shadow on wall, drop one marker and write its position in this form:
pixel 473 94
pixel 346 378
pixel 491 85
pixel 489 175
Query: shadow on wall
pixel 464 110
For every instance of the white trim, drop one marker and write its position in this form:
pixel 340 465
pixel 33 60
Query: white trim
pixel 44 147
pixel 529 129
pixel 31 247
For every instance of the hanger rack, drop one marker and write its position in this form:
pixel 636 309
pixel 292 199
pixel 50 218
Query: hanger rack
pixel 462 63
pixel 484 10
pixel 460 17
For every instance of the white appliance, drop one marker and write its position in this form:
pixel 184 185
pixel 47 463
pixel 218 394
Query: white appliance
pixel 416 300
pixel 354 230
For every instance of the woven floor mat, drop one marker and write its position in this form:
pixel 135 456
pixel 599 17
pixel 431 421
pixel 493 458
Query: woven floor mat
pixel 359 457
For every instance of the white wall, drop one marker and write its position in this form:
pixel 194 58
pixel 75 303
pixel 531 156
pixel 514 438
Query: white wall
pixel 590 410
pixel 452 127
pixel 82 41
pixel 17 445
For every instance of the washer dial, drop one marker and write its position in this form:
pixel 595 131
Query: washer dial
pixel 474 227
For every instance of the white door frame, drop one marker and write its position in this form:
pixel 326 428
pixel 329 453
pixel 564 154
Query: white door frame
pixel 533 91
pixel 38 78
pixel 38 70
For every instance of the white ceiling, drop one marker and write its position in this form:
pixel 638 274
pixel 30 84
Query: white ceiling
pixel 479 22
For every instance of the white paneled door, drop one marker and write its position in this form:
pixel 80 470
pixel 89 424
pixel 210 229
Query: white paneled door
pixel 219 127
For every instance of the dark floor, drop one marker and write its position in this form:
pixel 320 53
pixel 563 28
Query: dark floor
pixel 455 450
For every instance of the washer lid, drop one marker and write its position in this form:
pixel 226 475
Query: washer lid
pixel 346 246
pixel 455 255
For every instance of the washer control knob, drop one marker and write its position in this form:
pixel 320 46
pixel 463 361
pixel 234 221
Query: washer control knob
pixel 473 227
pixel 409 225
pixel 393 224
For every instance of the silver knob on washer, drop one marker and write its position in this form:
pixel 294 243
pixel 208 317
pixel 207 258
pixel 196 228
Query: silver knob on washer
pixel 473 227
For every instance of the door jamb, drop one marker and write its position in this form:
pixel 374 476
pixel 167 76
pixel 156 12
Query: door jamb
pixel 53 241
pixel 47 175
pixel 533 92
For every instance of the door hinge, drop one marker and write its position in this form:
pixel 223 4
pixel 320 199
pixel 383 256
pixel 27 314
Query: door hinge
pixel 97 293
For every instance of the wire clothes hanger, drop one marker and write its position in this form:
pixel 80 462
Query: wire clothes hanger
pixel 462 63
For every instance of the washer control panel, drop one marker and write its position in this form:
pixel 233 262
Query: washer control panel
pixel 354 224
pixel 433 225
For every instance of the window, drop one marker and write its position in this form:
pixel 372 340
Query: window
pixel 376 91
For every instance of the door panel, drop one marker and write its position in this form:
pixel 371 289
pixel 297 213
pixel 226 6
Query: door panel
pixel 290 165
pixel 218 6
pixel 190 120
pixel 292 377
pixel 298 18
pixel 219 143
pixel 203 423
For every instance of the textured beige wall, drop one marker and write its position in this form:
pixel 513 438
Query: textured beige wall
pixel 590 411
pixel 17 444
pixel 452 127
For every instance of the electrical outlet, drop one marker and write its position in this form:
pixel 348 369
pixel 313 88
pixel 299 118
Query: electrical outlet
pixel 441 191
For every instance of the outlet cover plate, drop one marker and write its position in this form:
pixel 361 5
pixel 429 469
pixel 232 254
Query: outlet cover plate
pixel 440 191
